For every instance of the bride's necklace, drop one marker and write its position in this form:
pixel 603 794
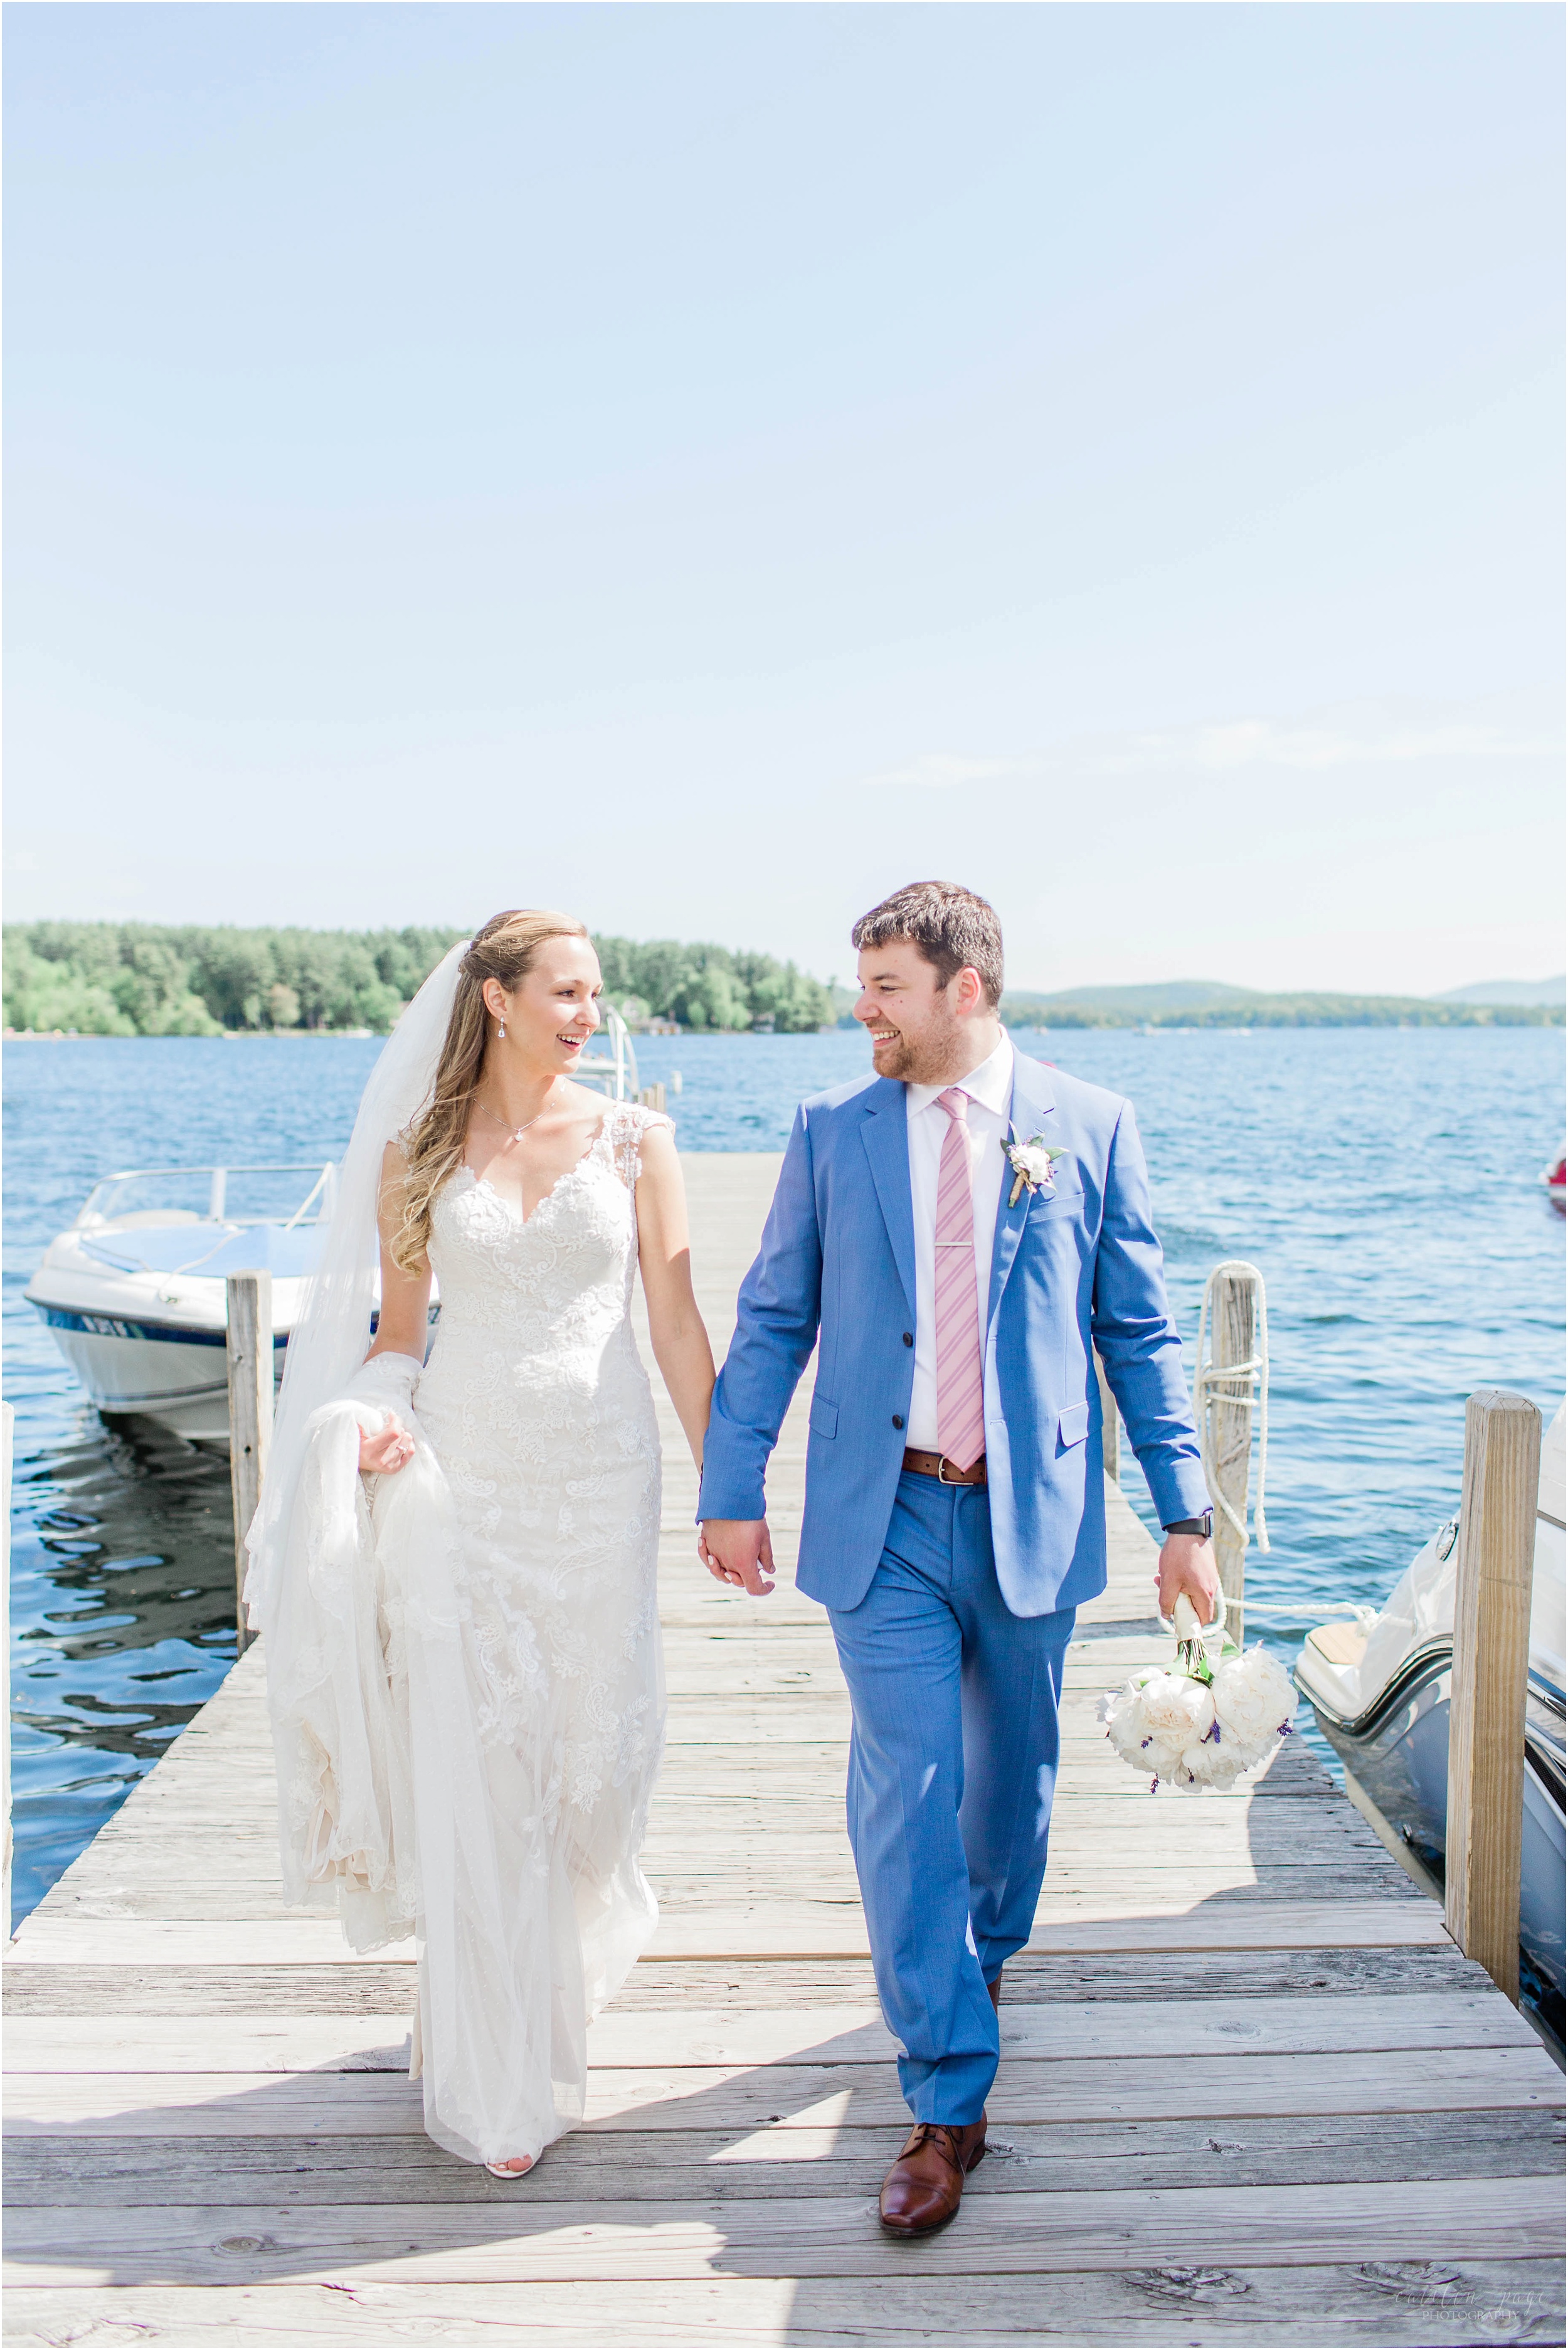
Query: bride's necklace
pixel 516 1132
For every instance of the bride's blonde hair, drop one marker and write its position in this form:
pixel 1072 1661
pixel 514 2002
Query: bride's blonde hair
pixel 433 1145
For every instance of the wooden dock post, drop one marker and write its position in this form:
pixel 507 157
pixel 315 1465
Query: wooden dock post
pixel 1227 1403
pixel 250 1413
pixel 1110 1427
pixel 1492 1666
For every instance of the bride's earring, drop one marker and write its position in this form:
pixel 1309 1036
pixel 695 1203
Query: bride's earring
pixel 501 1031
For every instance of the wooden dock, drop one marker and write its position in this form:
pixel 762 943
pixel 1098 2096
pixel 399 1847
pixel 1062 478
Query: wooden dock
pixel 1251 2092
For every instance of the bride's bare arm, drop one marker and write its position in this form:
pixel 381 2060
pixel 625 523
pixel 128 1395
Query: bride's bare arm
pixel 680 1336
pixel 404 1325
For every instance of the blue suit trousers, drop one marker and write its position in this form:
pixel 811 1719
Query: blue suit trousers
pixel 952 1767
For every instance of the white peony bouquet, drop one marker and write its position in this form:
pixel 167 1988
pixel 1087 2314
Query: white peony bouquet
pixel 1202 1724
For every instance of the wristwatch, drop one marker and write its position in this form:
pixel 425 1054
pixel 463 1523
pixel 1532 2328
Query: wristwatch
pixel 1203 1525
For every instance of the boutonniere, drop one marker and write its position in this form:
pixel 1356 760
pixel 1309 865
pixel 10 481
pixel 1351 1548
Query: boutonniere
pixel 1031 1164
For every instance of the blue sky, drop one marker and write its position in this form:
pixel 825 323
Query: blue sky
pixel 706 465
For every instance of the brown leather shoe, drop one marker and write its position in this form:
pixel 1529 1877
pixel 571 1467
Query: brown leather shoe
pixel 994 1987
pixel 925 2186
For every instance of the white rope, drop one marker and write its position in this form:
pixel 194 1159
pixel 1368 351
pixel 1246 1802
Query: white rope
pixel 1313 1611
pixel 1212 1384
pixel 1306 1611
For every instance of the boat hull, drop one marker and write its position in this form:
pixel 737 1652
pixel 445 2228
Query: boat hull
pixel 177 1376
pixel 135 1361
pixel 135 1292
pixel 1401 1766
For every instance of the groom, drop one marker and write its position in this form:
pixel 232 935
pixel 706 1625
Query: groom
pixel 955 1504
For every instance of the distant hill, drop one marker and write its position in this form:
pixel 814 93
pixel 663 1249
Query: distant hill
pixel 1140 1002
pixel 1206 1004
pixel 1508 991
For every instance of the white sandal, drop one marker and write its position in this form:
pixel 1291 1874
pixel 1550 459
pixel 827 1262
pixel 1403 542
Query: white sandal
pixel 505 2170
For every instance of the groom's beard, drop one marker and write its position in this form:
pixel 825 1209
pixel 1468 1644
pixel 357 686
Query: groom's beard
pixel 891 1059
pixel 925 1060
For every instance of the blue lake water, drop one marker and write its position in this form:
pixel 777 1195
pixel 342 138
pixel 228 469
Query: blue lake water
pixel 1385 1180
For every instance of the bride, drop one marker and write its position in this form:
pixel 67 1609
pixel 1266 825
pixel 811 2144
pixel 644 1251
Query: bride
pixel 454 1564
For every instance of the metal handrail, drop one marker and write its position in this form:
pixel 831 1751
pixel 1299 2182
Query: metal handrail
pixel 618 1065
pixel 323 1169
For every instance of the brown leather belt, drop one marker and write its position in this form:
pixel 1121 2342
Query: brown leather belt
pixel 938 1465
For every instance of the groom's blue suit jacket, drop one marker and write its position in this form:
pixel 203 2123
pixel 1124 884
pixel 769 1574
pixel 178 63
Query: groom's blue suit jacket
pixel 1072 1268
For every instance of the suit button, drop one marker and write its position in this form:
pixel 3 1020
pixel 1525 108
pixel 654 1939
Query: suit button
pixel 908 1337
pixel 897 1419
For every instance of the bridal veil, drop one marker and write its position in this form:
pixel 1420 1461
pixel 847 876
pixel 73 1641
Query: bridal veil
pixel 328 1584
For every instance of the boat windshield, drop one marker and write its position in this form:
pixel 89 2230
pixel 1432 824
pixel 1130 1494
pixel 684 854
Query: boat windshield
pixel 293 1195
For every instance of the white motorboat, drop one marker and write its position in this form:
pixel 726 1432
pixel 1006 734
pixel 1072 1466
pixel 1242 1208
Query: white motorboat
pixel 135 1289
pixel 1380 1689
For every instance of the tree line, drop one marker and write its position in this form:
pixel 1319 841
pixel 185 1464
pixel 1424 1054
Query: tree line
pixel 138 979
pixel 710 987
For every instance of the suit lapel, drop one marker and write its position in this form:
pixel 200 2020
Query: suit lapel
pixel 885 1131
pixel 1034 1098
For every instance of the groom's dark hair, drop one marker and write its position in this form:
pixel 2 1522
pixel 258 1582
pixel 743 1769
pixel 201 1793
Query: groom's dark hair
pixel 951 927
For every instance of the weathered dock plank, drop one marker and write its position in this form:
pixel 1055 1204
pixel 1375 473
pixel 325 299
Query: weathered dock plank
pixel 1251 2092
pixel 1403 2303
pixel 352 2099
pixel 656 2165
pixel 695 2035
pixel 1030 2233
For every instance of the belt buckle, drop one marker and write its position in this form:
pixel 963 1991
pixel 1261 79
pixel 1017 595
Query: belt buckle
pixel 941 1462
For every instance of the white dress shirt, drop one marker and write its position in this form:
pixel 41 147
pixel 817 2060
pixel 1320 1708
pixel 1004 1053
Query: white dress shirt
pixel 990 1091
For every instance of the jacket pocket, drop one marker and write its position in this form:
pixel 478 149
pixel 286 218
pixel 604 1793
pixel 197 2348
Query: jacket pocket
pixel 1072 1425
pixel 825 1417
pixel 1054 1203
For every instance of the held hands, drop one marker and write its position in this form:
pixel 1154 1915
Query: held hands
pixel 1186 1564
pixel 392 1448
pixel 738 1551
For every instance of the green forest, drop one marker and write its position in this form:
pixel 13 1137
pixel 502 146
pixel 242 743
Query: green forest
pixel 134 979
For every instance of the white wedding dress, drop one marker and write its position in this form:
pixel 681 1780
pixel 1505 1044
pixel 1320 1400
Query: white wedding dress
pixel 464 1657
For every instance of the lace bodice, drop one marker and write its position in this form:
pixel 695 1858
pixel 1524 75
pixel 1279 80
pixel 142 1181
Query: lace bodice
pixel 539 1410
pixel 560 1279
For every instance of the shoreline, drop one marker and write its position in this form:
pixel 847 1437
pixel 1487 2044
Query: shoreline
pixel 1482 1016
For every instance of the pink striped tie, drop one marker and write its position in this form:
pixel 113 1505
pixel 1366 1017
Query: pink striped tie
pixel 961 1396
